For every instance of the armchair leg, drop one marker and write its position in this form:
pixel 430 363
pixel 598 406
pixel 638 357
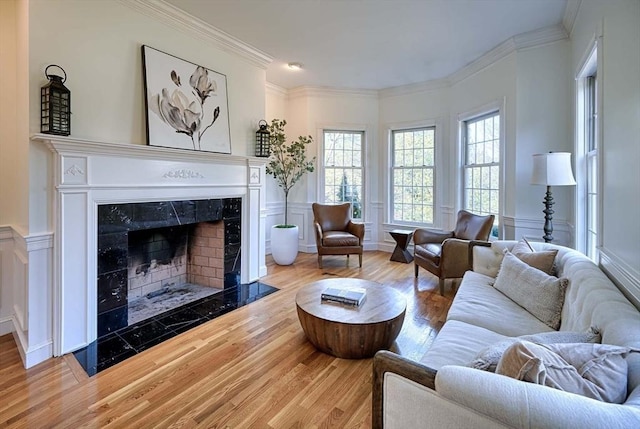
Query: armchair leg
pixel 415 266
pixel 441 286
pixel 320 261
pixel 360 258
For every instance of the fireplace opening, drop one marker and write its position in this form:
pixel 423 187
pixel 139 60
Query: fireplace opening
pixel 154 257
pixel 173 266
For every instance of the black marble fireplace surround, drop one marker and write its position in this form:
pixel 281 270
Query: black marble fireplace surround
pixel 115 221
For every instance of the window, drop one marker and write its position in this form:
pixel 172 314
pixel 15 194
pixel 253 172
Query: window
pixel 588 193
pixel 413 164
pixel 481 180
pixel 343 169
pixel 591 143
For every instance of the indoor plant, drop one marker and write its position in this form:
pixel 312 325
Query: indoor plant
pixel 287 164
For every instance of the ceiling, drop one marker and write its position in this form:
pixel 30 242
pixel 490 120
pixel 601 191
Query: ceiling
pixel 372 44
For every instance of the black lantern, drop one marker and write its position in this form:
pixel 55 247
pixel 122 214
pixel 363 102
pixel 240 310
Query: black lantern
pixel 55 105
pixel 262 140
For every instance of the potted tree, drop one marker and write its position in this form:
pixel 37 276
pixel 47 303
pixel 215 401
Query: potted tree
pixel 287 164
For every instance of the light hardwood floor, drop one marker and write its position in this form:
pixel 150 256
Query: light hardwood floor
pixel 252 367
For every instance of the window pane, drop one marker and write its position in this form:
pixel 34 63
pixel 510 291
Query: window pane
pixel 413 153
pixel 343 169
pixel 482 165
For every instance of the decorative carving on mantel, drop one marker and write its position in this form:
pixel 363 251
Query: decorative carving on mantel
pixel 74 170
pixel 254 176
pixel 183 174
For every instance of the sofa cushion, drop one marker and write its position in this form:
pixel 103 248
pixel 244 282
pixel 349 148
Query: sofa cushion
pixel 457 343
pixel 597 371
pixel 487 359
pixel 543 260
pixel 480 304
pixel 540 294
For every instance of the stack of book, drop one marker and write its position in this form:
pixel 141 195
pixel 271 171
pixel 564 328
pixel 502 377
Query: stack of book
pixel 346 296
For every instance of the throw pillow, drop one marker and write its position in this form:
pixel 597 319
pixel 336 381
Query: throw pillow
pixel 487 358
pixel 542 260
pixel 538 293
pixel 597 371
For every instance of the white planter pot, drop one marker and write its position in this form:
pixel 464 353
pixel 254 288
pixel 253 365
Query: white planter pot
pixel 284 244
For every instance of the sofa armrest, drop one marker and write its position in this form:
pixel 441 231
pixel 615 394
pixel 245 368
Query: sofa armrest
pixel 525 405
pixel 385 361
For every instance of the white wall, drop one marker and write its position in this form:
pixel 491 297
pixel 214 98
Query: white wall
pixel 14 143
pixel 490 88
pixel 619 23
pixel 308 111
pixel 543 124
pixel 399 109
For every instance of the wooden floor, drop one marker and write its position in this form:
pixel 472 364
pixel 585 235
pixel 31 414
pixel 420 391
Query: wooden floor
pixel 252 367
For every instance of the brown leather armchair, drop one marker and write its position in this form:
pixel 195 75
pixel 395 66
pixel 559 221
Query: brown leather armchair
pixel 336 234
pixel 447 254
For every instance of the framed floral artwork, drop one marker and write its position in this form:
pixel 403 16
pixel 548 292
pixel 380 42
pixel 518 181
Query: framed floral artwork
pixel 186 104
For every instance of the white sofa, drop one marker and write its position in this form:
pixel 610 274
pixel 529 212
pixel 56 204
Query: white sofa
pixel 442 392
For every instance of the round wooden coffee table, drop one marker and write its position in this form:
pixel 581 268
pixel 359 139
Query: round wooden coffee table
pixel 351 332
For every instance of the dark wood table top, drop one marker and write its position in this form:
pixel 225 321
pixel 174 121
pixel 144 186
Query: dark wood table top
pixel 382 303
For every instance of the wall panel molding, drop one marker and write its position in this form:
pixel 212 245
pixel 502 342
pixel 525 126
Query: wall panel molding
pixel 627 278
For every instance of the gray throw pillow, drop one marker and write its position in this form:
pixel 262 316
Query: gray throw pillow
pixel 543 260
pixel 487 358
pixel 540 294
pixel 597 371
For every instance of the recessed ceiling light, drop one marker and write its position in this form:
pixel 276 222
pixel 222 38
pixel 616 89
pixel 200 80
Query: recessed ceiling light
pixel 295 66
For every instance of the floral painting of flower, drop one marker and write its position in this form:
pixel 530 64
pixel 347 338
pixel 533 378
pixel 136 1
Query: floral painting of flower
pixel 186 104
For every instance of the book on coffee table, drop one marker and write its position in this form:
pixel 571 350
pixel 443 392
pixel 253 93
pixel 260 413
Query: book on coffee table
pixel 347 296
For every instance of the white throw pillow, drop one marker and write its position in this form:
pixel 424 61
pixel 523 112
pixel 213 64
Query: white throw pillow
pixel 487 358
pixel 540 294
pixel 597 371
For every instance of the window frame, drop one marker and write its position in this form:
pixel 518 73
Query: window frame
pixel 588 149
pixel 392 168
pixel 356 129
pixel 498 108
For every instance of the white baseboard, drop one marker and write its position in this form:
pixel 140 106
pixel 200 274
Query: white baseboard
pixel 38 354
pixel 6 326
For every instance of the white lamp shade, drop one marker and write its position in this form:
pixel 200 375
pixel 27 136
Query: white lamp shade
pixel 552 169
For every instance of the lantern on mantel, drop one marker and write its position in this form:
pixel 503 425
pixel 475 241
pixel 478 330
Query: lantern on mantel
pixel 55 105
pixel 263 149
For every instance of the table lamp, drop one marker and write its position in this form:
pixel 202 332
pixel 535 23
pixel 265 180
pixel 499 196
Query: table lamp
pixel 551 169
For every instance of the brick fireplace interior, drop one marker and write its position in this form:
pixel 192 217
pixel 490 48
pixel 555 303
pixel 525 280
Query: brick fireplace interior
pixel 148 247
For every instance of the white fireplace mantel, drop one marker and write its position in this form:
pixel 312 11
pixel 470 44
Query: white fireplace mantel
pixel 89 173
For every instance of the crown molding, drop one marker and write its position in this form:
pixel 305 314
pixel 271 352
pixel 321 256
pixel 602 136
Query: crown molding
pixel 277 90
pixel 321 91
pixel 502 50
pixel 180 20
pixel 414 88
pixel 540 37
pixel 570 15
pixel 522 41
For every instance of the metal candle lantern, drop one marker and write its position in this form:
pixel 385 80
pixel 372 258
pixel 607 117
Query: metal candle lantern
pixel 262 140
pixel 55 105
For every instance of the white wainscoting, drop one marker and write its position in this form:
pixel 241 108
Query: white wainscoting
pixel 532 230
pixel 26 263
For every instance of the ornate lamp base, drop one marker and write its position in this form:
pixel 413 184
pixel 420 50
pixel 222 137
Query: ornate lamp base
pixel 548 216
